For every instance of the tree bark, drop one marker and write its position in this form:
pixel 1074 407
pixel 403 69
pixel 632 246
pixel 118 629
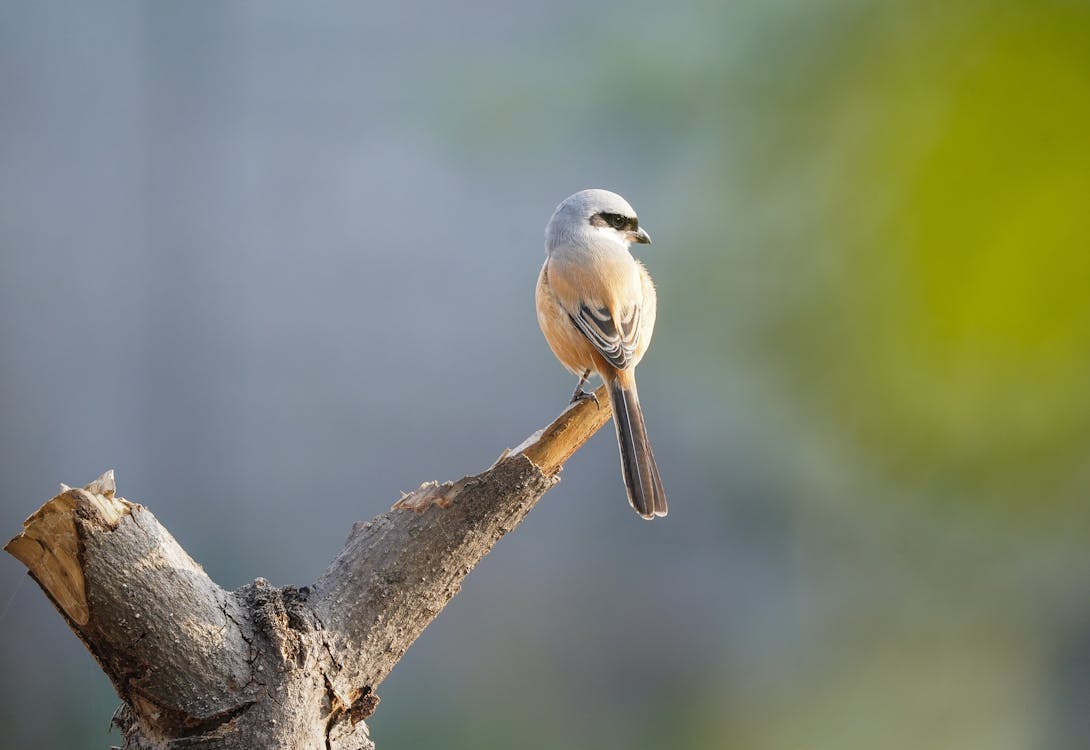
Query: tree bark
pixel 265 667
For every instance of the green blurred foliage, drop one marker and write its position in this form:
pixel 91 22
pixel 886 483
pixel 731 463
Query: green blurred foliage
pixel 892 238
pixel 912 181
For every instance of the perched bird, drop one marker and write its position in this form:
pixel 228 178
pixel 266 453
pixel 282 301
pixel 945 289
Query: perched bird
pixel 596 307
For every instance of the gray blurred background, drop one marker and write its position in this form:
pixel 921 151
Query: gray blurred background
pixel 274 263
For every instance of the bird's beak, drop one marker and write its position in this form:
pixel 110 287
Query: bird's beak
pixel 641 236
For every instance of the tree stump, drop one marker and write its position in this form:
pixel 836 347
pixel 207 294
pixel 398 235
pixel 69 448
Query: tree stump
pixel 265 667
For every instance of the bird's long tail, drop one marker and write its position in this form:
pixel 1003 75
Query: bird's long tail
pixel 641 474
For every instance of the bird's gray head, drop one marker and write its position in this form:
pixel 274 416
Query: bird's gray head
pixel 591 217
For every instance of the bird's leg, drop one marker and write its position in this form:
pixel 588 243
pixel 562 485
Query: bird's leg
pixel 580 394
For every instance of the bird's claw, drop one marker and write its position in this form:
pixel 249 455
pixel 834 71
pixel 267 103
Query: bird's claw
pixel 581 395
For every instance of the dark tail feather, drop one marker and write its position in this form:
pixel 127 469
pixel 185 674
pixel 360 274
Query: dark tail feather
pixel 641 474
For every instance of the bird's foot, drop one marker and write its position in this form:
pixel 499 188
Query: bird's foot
pixel 581 395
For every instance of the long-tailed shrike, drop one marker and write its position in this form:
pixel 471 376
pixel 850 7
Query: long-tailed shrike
pixel 596 307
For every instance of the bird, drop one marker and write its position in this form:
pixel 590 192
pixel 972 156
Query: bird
pixel 596 305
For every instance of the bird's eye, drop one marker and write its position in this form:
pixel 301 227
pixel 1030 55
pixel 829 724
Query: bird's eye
pixel 617 221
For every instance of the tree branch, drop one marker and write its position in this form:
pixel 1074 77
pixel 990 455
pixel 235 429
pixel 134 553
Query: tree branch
pixel 264 667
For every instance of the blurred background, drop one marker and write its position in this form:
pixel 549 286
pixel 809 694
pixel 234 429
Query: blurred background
pixel 274 263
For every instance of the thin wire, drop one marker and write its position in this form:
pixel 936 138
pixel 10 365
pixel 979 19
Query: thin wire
pixel 18 588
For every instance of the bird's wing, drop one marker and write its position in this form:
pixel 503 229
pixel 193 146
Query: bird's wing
pixel 615 334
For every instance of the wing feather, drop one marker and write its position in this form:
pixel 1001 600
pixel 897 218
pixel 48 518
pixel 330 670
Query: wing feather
pixel 615 338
